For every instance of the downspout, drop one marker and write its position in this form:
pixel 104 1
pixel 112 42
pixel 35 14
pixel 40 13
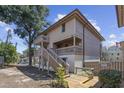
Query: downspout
pixel 83 64
pixel 100 51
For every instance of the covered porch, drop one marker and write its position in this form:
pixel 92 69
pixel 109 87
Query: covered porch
pixel 69 46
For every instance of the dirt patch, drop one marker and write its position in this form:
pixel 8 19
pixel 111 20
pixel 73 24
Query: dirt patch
pixel 24 77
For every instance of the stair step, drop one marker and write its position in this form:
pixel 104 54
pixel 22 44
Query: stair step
pixel 66 76
pixel 86 80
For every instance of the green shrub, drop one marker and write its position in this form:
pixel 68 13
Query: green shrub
pixel 55 84
pixel 9 53
pixel 60 82
pixel 88 73
pixel 110 78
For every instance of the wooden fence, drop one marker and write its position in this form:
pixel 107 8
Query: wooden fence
pixel 113 65
pixel 106 65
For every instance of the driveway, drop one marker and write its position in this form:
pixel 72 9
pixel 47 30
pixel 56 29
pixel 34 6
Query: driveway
pixel 24 77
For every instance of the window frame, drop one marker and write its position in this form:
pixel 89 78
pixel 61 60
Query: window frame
pixel 63 28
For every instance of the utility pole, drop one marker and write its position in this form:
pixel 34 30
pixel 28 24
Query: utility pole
pixel 9 37
pixel 16 45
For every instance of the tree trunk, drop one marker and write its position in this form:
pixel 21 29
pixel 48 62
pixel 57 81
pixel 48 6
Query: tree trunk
pixel 29 47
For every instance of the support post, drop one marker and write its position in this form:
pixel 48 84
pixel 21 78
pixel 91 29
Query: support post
pixel 48 65
pixel 100 51
pixel 41 55
pixel 123 63
pixel 74 49
pixel 39 62
pixel 74 43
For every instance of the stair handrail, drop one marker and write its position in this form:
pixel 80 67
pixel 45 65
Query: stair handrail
pixel 55 55
pixel 66 65
pixel 50 55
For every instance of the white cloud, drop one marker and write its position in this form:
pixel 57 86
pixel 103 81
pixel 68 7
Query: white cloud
pixel 95 24
pixel 112 36
pixel 122 35
pixel 5 26
pixel 2 24
pixel 8 28
pixel 59 16
pixel 110 43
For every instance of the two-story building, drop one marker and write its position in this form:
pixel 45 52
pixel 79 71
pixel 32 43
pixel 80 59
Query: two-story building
pixel 72 41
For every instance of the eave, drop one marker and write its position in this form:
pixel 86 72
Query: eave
pixel 120 15
pixel 75 14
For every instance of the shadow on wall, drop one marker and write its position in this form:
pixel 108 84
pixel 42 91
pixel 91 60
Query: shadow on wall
pixel 35 73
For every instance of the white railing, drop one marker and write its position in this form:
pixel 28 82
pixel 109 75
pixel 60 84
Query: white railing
pixel 41 38
pixel 44 37
pixel 38 52
pixel 53 53
pixel 79 35
pixel 49 52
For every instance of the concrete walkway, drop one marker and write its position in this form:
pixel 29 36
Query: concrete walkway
pixel 26 77
pixel 76 81
pixel 23 77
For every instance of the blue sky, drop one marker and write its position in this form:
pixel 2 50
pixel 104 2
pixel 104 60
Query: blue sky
pixel 102 17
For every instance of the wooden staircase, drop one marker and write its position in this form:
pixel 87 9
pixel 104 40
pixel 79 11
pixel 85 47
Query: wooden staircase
pixel 53 59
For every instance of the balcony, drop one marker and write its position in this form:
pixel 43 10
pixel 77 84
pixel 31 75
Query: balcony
pixel 79 35
pixel 41 38
pixel 70 50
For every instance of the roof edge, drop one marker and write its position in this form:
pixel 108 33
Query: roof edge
pixel 75 11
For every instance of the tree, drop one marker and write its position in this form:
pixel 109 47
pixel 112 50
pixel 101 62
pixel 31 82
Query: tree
pixel 9 53
pixel 26 52
pixel 29 20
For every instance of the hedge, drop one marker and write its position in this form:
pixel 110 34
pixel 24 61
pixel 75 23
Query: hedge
pixel 110 78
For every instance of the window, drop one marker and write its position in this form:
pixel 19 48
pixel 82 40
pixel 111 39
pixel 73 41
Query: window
pixel 65 58
pixel 63 27
pixel 117 53
pixel 112 53
pixel 117 58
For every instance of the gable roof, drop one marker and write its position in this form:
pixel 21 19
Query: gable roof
pixel 78 15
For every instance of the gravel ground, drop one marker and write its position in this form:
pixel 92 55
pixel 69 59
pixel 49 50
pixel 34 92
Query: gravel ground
pixel 24 77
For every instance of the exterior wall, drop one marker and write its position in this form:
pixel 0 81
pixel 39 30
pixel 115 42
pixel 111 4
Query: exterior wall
pixel 115 54
pixel 92 43
pixel 78 61
pixel 57 35
pixel 95 65
pixel 122 44
pixel 70 60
